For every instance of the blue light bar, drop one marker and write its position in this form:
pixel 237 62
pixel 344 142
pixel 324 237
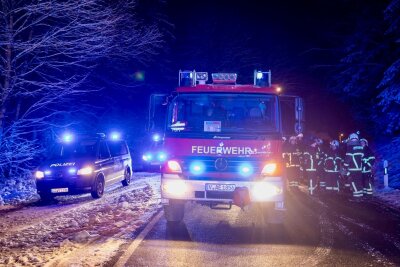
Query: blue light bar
pixel 229 78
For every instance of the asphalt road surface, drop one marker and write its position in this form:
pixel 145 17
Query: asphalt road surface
pixel 319 231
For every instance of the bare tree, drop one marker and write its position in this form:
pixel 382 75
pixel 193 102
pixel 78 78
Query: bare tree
pixel 47 50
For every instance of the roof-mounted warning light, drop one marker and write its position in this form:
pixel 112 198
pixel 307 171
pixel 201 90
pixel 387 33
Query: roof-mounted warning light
pixel 187 78
pixel 201 77
pixel 226 78
pixel 262 78
pixel 191 78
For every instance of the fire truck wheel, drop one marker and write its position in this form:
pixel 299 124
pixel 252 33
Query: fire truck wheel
pixel 174 211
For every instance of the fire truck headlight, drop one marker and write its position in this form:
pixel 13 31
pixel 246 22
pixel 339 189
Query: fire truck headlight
pixel 197 167
pixel 269 169
pixel 246 169
pixel 39 174
pixel 85 171
pixel 175 188
pixel 174 166
pixel 263 191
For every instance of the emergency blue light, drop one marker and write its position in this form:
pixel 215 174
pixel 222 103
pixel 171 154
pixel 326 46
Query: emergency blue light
pixel 197 167
pixel 156 137
pixel 246 169
pixel 47 172
pixel 72 170
pixel 186 78
pixel 115 136
pixel 67 138
pixel 227 78
pixel 162 156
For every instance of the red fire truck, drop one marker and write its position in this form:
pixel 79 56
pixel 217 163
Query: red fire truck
pixel 223 143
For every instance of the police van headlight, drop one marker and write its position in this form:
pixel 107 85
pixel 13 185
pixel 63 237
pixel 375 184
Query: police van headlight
pixel 39 174
pixel 85 171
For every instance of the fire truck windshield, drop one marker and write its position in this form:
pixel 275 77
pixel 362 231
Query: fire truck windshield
pixel 223 113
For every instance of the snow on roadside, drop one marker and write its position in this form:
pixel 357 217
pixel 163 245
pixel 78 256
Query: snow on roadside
pixel 18 191
pixel 55 240
pixel 391 196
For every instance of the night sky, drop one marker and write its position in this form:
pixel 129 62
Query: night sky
pixel 299 41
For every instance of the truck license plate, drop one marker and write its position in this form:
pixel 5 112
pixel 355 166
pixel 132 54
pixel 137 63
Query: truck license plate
pixel 220 187
pixel 59 190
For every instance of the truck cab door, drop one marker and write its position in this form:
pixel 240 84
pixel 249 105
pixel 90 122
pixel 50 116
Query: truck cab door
pixel 292 115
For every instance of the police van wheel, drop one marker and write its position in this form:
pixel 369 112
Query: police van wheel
pixel 127 177
pixel 174 211
pixel 98 188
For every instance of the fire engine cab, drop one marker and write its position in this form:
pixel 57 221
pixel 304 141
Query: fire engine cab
pixel 223 143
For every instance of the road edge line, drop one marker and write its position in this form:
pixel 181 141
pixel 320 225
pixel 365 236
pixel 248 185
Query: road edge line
pixel 135 244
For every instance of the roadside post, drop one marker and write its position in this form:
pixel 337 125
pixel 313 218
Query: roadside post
pixel 385 174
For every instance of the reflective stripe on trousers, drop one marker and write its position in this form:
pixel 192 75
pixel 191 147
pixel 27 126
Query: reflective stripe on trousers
pixel 356 193
pixel 312 188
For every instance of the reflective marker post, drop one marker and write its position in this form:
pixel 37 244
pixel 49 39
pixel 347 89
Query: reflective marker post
pixel 385 174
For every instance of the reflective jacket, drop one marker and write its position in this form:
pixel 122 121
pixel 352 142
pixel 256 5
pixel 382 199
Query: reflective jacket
pixel 354 156
pixel 312 159
pixel 333 161
pixel 291 155
pixel 368 160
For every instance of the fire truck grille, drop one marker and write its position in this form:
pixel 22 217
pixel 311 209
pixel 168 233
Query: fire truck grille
pixel 224 165
pixel 219 195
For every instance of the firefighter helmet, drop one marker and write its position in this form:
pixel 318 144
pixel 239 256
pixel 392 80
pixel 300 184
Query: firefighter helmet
pixel 353 136
pixel 363 140
pixel 334 143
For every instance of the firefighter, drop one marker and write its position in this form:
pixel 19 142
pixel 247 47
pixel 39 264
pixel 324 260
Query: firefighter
pixel 353 164
pixel 320 166
pixel 344 181
pixel 291 156
pixel 310 160
pixel 332 164
pixel 367 163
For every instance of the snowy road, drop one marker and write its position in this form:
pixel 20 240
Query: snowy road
pixel 80 231
pixel 77 230
pixel 318 232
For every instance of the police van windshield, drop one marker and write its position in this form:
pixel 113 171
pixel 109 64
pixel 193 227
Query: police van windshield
pixel 75 150
pixel 223 113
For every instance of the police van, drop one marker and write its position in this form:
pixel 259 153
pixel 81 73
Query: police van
pixel 82 164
